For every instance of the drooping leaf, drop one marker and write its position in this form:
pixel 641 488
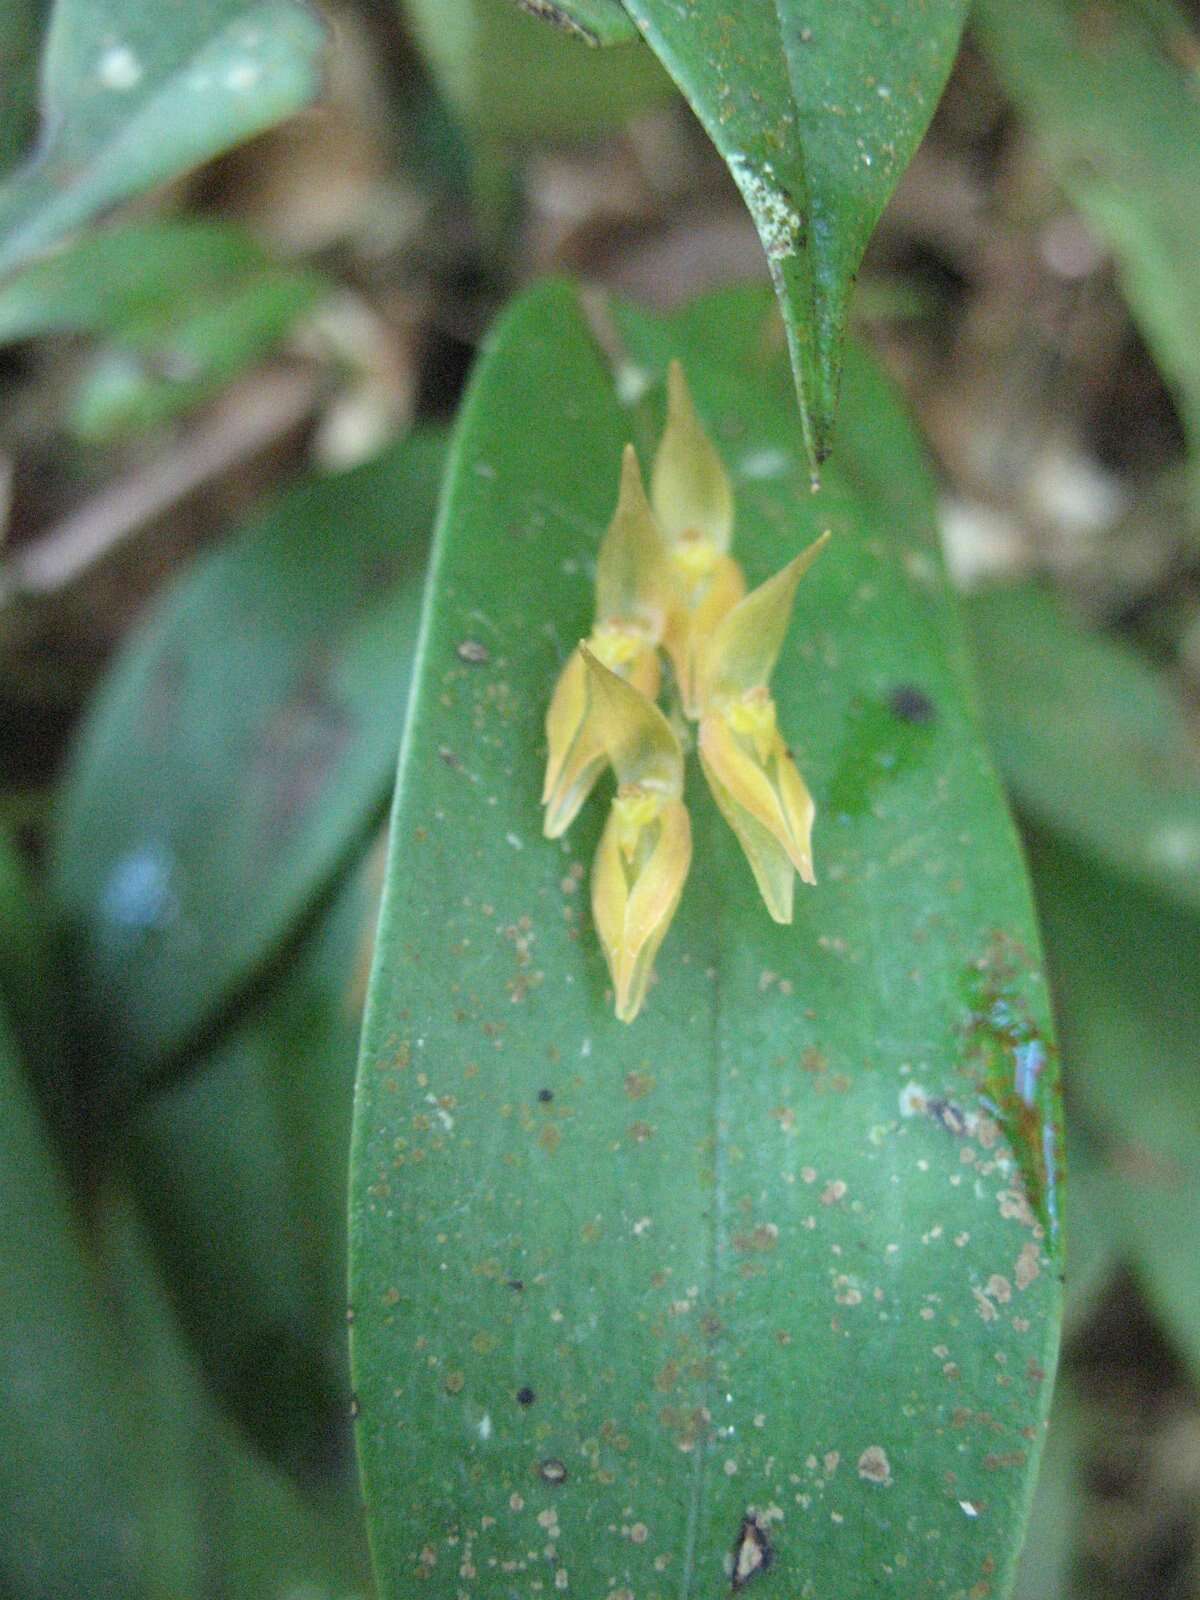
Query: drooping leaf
pixel 1124 966
pixel 238 752
pixel 762 1285
pixel 134 93
pixel 69 1504
pixel 816 111
pixel 240 1173
pixel 1117 117
pixel 1090 738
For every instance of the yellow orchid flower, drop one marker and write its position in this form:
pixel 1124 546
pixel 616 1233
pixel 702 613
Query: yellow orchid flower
pixel 693 500
pixel 632 600
pixel 646 848
pixel 751 774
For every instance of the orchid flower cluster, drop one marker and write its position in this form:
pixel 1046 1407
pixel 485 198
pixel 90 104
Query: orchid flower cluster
pixel 665 580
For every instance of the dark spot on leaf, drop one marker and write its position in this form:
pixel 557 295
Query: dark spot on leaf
pixel 752 1553
pixel 911 704
pixel 552 1470
pixel 516 1283
pixel 525 1396
pixel 545 1096
pixel 473 653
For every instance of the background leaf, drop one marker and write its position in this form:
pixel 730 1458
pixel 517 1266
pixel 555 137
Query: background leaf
pixel 133 95
pixel 1091 740
pixel 1118 122
pixel 187 305
pixel 817 112
pixel 239 1172
pixel 1124 965
pixel 768 1253
pixel 20 34
pixel 69 1498
pixel 238 752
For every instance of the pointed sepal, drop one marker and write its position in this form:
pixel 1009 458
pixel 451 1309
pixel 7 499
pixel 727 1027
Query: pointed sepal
pixel 740 653
pixel 633 576
pixel 689 486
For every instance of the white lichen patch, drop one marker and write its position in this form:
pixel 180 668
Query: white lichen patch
pixel 779 225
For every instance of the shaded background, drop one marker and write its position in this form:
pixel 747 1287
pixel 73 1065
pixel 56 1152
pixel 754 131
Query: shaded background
pixel 1034 288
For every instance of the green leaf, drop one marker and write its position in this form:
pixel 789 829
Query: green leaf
pixel 1118 120
pixel 816 111
pixel 129 281
pixel 768 1253
pixel 1090 738
pixel 596 22
pixel 125 389
pixel 68 1493
pixel 32 982
pixel 133 95
pixel 240 1173
pixel 220 1521
pixel 512 80
pixel 1124 965
pixel 187 304
pixel 20 35
pixel 237 754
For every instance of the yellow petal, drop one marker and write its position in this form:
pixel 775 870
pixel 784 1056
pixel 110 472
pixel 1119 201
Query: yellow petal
pixel 759 790
pixel 689 487
pixel 745 645
pixel 699 607
pixel 578 755
pixel 635 893
pixel 769 861
pixel 633 580
pixel 641 744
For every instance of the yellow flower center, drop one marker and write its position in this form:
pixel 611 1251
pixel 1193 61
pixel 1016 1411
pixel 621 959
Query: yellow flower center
pixel 753 717
pixel 695 556
pixel 617 644
pixel 635 809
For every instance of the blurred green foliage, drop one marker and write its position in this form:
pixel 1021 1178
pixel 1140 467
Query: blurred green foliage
pixel 186 929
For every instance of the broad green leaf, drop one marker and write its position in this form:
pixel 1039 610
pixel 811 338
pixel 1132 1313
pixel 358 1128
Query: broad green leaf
pixel 774 1268
pixel 512 80
pixel 238 752
pixel 816 111
pixel 1118 120
pixel 240 1173
pixel 1090 738
pixel 68 1494
pixel 597 22
pixel 134 93
pixel 1124 965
